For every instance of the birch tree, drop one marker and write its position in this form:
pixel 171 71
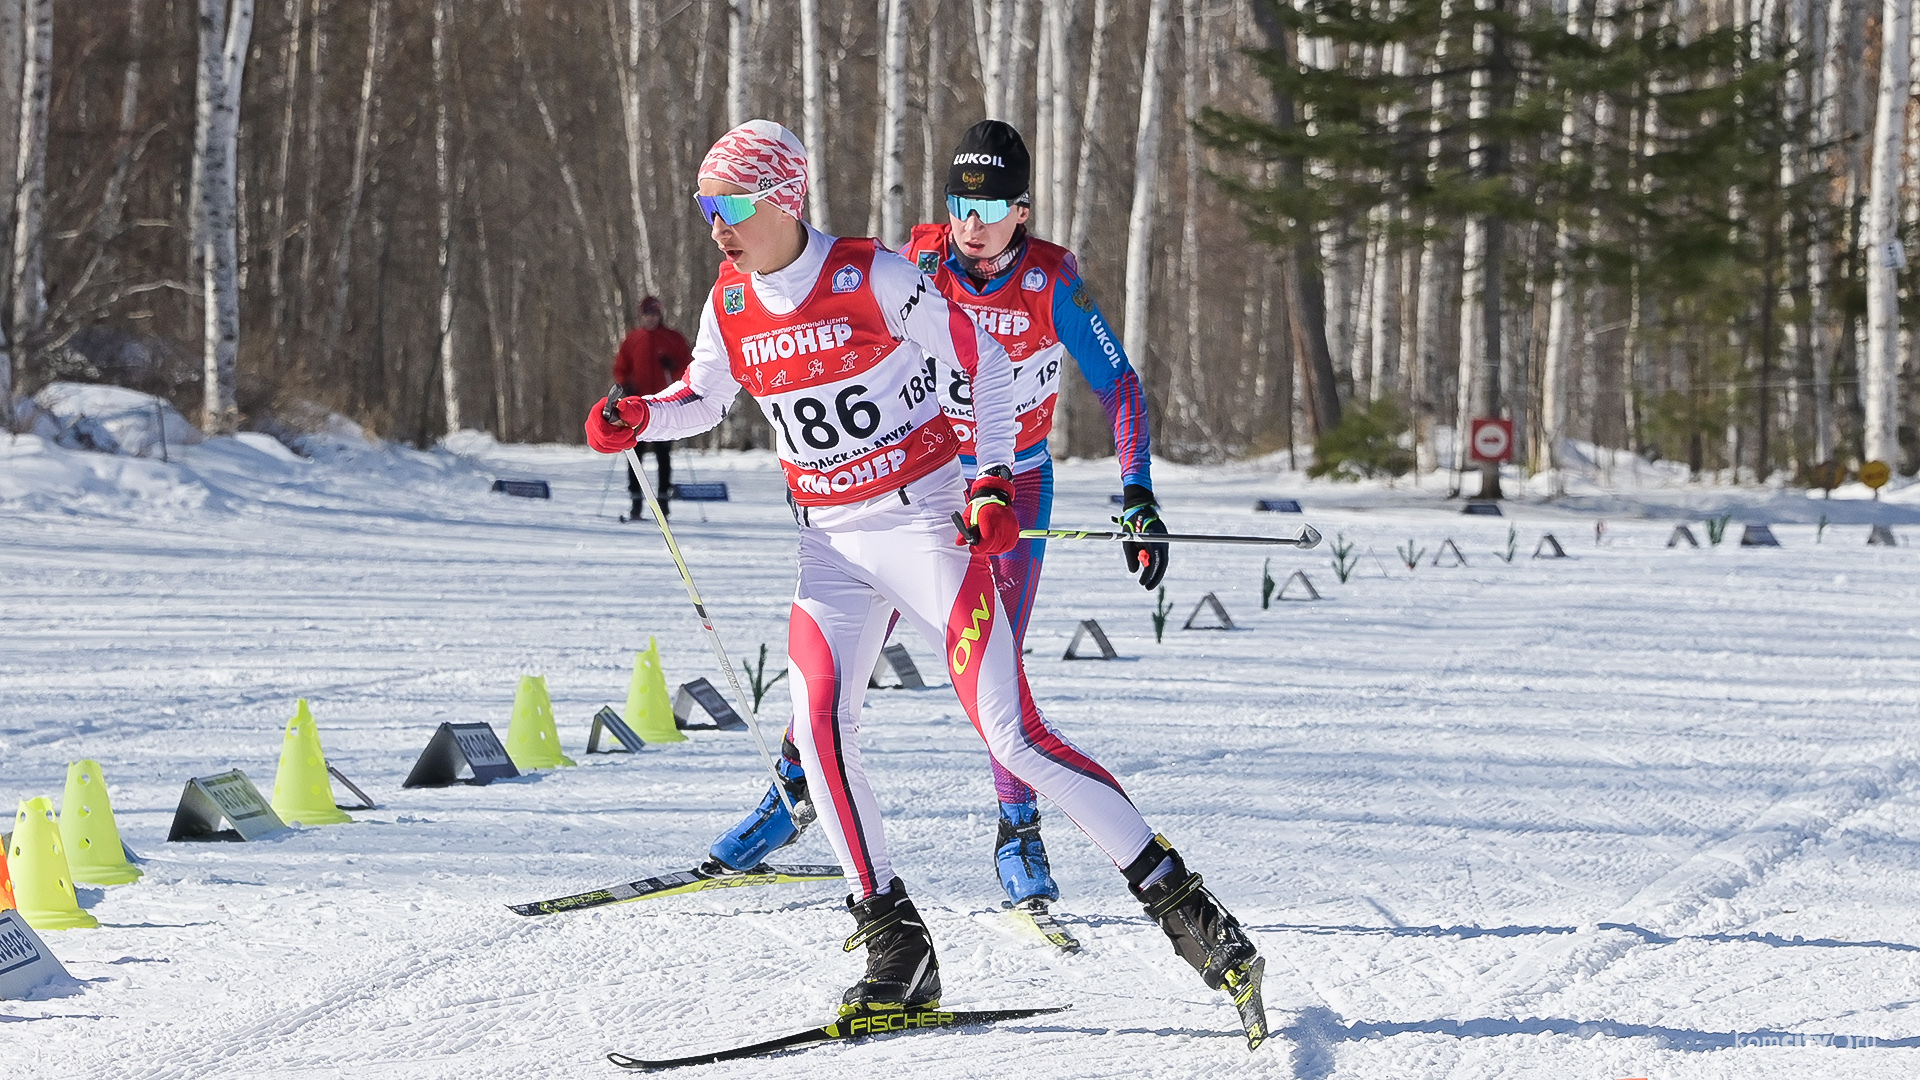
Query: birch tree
pixel 28 284
pixel 219 256
pixel 367 120
pixel 12 14
pixel 739 21
pixel 1146 170
pixel 1880 374
pixel 632 122
pixel 1090 121
pixel 443 254
pixel 893 185
pixel 812 125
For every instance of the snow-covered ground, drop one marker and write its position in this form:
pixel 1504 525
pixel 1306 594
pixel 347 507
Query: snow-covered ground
pixel 1642 812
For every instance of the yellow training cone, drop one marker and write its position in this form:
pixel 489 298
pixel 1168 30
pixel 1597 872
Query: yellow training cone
pixel 87 830
pixel 41 881
pixel 302 790
pixel 532 740
pixel 649 713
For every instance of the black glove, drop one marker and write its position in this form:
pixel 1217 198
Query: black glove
pixel 1147 560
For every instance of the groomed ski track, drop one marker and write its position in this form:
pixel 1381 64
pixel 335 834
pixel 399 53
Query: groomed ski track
pixel 1637 813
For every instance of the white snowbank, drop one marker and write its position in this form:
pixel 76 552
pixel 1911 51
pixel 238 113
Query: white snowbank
pixel 108 419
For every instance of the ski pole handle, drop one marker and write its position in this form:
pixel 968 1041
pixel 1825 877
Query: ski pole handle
pixel 610 408
pixel 970 535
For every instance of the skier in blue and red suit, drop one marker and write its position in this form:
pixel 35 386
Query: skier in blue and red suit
pixel 1026 294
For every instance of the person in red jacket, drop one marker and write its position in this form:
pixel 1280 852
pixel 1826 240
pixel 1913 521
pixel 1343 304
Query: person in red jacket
pixel 653 357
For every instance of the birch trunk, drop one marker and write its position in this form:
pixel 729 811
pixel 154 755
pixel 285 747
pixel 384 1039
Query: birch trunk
pixel 893 186
pixel 811 119
pixel 28 285
pixel 357 183
pixel 115 199
pixel 1061 137
pixel 443 185
pixel 1146 159
pixel 283 171
pixel 1827 74
pixel 1880 373
pixel 1089 130
pixel 11 13
pixel 1188 391
pixel 1042 140
pixel 739 20
pixel 303 277
pixel 994 57
pixel 496 333
pixel 934 177
pixel 220 255
pixel 1013 73
pixel 632 121
pixel 609 309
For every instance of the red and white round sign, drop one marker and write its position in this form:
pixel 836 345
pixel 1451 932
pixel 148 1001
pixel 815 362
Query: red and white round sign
pixel 1492 440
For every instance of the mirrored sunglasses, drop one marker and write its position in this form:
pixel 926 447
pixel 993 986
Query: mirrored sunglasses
pixel 988 210
pixel 734 209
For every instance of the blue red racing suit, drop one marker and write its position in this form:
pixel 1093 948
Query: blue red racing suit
pixel 1040 311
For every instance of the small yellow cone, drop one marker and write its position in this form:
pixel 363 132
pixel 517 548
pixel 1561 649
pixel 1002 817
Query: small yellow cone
pixel 302 790
pixel 649 713
pixel 532 740
pixel 87 829
pixel 41 881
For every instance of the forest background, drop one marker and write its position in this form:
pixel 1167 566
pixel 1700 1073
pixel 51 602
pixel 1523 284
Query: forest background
pixel 1675 228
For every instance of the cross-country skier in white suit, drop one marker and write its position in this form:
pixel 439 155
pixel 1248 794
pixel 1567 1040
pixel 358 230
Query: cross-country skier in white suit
pixel 843 344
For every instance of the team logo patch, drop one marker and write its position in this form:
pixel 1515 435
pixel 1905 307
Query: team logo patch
pixel 928 261
pixel 1081 300
pixel 1035 280
pixel 973 179
pixel 846 279
pixel 734 300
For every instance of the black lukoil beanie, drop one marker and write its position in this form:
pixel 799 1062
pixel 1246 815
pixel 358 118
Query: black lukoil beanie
pixel 991 162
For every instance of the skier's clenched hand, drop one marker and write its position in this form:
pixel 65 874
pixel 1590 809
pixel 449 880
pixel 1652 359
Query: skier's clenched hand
pixel 610 438
pixel 988 522
pixel 1140 516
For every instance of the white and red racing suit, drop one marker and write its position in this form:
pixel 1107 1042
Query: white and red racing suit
pixel 845 349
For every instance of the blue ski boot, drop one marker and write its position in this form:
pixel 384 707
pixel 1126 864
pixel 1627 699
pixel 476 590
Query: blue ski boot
pixel 769 827
pixel 1021 856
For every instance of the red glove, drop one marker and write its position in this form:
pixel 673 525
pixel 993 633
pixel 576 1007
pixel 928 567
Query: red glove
pixel 611 438
pixel 988 522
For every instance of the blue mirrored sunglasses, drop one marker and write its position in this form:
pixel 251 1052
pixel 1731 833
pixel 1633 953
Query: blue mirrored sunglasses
pixel 734 209
pixel 989 210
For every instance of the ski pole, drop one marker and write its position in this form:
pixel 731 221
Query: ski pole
pixel 610 412
pixel 1307 537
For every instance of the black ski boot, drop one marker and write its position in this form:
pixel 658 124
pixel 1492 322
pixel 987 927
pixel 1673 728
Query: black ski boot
pixel 1203 932
pixel 638 506
pixel 902 972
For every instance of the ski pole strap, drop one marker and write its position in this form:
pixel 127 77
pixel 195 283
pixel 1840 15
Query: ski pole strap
pixel 1308 537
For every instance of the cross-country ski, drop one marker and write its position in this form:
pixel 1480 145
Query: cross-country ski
pixel 679 883
pixel 846 1029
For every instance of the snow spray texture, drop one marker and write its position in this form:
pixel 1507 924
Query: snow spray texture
pixel 837 441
